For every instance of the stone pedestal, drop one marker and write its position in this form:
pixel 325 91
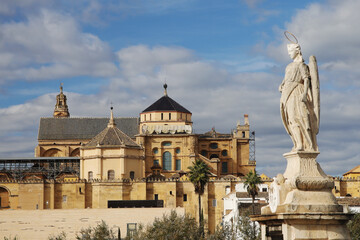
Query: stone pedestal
pixel 301 204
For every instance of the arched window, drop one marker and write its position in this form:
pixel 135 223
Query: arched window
pixel 224 153
pixel 166 163
pixel 177 150
pixel 90 175
pixel 214 156
pixel 111 175
pixel 155 150
pixel 132 175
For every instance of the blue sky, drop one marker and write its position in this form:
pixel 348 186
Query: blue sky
pixel 221 60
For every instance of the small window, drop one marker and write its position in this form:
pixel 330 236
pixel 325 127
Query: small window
pixel 264 189
pixel 162 116
pixel 170 192
pixel 178 164
pixel 64 198
pixel 243 134
pixel 213 145
pixel 224 153
pixel 214 156
pixel 166 144
pixel 150 116
pixel 111 175
pixel 156 197
pixel 224 167
pixel 177 150
pixel 214 202
pixel 169 116
pixel 156 162
pixel 90 175
pixel 155 150
pixel 185 197
pixel 204 153
pixel 132 175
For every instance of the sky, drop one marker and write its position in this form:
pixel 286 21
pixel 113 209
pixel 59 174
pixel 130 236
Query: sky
pixel 220 59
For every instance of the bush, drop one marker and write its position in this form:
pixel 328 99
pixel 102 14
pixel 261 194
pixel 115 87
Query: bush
pixel 170 227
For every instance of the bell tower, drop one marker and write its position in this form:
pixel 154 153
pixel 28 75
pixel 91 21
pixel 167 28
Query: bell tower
pixel 61 108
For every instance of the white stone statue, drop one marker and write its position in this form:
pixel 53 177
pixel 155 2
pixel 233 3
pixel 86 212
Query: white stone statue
pixel 300 100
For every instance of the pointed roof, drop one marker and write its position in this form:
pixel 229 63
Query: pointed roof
pixel 112 136
pixel 166 103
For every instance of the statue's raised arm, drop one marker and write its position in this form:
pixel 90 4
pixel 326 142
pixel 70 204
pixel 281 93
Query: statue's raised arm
pixel 300 100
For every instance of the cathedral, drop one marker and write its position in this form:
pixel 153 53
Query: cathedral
pixel 117 162
pixel 119 148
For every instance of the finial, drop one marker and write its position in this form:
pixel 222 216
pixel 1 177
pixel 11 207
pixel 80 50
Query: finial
pixel 61 87
pixel 165 89
pixel 111 121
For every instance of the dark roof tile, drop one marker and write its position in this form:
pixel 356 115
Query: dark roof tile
pixel 82 128
pixel 165 103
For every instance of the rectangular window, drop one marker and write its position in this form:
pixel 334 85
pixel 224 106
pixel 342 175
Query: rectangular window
pixel 169 116
pixel 185 197
pixel 224 167
pixel 64 198
pixel 178 164
pixel 214 202
pixel 156 197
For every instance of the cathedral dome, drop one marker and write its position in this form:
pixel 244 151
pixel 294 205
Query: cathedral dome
pixel 166 103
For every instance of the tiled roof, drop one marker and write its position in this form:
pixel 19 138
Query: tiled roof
pixel 112 136
pixel 166 103
pixel 82 128
pixel 246 195
pixel 350 201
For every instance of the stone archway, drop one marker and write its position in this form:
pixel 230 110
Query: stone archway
pixel 53 152
pixel 4 198
pixel 75 153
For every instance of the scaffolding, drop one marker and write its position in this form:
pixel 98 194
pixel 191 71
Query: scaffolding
pixel 252 159
pixel 49 167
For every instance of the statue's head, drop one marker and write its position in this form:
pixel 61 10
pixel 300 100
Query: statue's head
pixel 294 50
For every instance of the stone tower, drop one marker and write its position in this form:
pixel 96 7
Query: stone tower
pixel 61 108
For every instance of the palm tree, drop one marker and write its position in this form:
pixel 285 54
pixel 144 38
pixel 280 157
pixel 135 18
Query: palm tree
pixel 199 176
pixel 252 180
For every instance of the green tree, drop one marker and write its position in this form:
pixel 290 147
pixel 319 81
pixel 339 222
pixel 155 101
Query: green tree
pixel 199 176
pixel 170 227
pixel 252 180
pixel 100 232
pixel 241 229
pixel 354 227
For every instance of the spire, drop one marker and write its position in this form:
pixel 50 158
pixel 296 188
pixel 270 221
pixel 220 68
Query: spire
pixel 61 109
pixel 165 89
pixel 111 121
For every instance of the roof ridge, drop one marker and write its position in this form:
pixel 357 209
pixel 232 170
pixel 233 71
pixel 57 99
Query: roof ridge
pixel 106 130
pixel 89 118
pixel 171 102
pixel 114 128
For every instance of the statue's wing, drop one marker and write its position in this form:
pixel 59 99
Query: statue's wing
pixel 315 88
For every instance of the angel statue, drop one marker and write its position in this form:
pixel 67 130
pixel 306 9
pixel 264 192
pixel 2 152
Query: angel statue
pixel 300 99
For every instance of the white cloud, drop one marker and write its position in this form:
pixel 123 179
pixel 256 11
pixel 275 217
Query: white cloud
pixel 51 46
